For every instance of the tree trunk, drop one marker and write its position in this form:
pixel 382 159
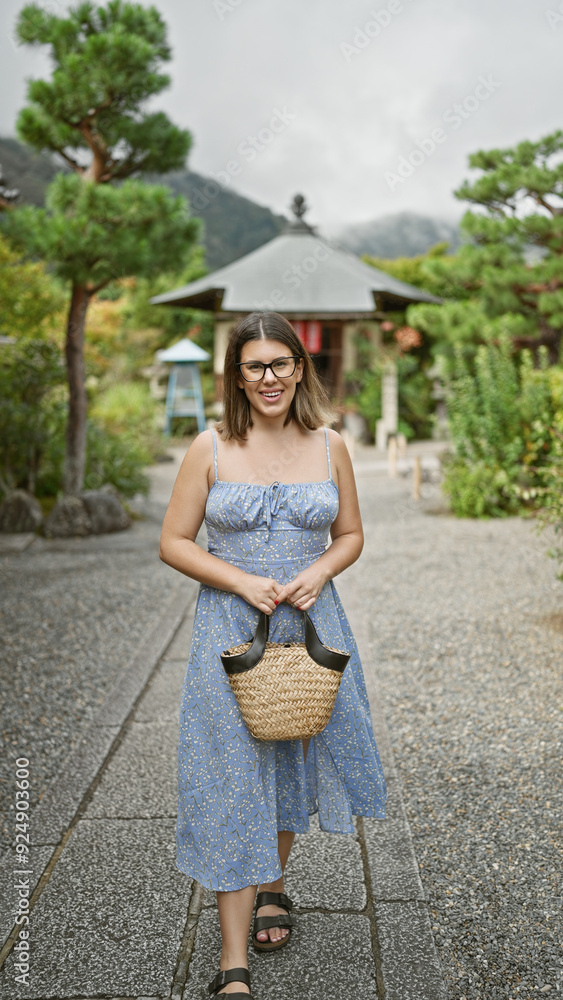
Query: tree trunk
pixel 75 458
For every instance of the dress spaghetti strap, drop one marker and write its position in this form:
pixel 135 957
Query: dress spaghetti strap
pixel 214 436
pixel 328 454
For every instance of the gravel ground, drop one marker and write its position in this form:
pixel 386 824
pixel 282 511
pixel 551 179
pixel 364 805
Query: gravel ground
pixel 72 614
pixel 466 625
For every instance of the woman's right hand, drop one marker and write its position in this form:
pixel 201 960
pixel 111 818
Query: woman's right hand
pixel 260 591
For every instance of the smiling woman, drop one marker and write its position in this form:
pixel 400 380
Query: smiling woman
pixel 241 800
pixel 307 402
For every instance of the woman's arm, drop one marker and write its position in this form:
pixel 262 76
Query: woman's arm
pixel 182 521
pixel 346 533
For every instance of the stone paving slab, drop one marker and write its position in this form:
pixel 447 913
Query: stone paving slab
pixel 111 918
pixel 55 812
pixel 325 871
pixel 135 676
pixel 161 700
pixel 406 945
pixel 179 648
pixel 110 921
pixel 392 863
pixel 395 806
pixel 330 956
pixel 141 779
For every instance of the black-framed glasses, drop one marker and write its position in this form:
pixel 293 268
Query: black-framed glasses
pixel 253 371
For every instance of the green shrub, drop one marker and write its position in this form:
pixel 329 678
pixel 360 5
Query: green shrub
pixel 128 410
pixel 478 489
pixel 503 419
pixel 121 437
pixel 114 459
pixel 32 395
pixel 415 394
pixel 110 458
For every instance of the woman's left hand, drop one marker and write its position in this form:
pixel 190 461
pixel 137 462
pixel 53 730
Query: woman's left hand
pixel 304 589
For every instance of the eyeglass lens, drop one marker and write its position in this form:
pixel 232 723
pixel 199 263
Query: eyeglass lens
pixel 253 371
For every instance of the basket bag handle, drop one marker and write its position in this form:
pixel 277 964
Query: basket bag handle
pixel 321 654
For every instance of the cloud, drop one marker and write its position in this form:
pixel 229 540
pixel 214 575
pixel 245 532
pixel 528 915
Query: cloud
pixel 354 115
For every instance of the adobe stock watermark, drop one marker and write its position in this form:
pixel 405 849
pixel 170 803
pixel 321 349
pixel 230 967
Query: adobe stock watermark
pixel 23 880
pixel 554 17
pixel 453 118
pixel 365 34
pixel 294 276
pixel 248 149
pixel 225 7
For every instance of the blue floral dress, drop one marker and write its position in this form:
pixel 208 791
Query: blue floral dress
pixel 235 792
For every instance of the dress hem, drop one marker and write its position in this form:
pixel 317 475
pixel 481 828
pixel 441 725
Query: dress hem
pixel 267 875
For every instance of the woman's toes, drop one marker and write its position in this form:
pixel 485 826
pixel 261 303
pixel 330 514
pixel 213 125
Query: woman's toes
pixel 277 933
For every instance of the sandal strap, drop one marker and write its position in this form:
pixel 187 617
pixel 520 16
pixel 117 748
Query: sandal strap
pixel 274 899
pixel 230 976
pixel 235 996
pixel 279 920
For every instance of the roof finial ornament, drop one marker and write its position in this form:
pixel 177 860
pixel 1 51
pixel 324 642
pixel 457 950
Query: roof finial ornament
pixel 298 225
pixel 299 206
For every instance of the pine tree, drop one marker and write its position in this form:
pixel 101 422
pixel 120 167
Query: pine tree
pixel 100 222
pixel 508 277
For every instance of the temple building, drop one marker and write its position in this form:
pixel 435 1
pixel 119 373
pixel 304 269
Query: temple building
pixel 327 294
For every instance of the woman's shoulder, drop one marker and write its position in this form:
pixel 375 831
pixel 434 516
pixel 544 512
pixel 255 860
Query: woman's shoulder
pixel 202 442
pixel 336 441
pixel 200 451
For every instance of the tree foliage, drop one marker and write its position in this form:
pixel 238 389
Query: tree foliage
pixel 106 65
pixel 508 276
pixel 101 222
pixel 93 234
pixel 32 302
pixel 413 271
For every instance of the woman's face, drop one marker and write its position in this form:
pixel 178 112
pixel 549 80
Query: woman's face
pixel 271 395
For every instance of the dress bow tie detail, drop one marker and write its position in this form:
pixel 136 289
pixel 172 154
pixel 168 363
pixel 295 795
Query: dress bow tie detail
pixel 271 502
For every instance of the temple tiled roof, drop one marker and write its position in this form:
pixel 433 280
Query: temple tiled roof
pixel 297 273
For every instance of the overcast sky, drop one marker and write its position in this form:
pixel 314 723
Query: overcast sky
pixel 331 97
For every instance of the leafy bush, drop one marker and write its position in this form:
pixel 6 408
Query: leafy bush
pixel 128 409
pixel 31 400
pixel 110 458
pixel 503 422
pixel 114 459
pixel 415 399
pixel 551 475
pixel 33 408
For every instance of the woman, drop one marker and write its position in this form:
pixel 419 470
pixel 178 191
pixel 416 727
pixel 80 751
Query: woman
pixel 271 484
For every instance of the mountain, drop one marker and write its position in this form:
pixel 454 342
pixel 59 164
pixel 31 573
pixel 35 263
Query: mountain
pixel 233 225
pixel 28 171
pixel 403 234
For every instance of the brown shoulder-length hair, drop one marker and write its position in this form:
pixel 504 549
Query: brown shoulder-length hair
pixel 310 407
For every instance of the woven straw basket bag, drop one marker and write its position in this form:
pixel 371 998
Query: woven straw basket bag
pixel 285 690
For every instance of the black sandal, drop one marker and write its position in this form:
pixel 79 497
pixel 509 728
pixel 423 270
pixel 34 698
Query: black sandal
pixel 279 920
pixel 231 976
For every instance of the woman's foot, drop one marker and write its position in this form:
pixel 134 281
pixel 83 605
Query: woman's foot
pixel 272 933
pixel 236 986
pixel 233 988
